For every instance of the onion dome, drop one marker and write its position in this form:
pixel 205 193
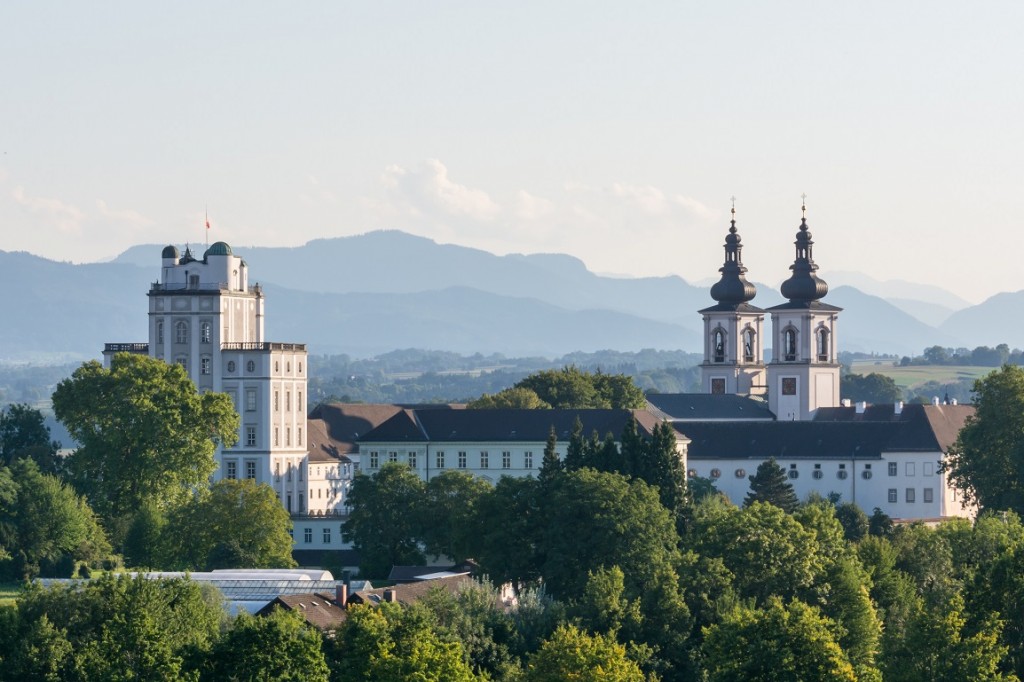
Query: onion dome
pixel 803 286
pixel 170 251
pixel 218 249
pixel 733 288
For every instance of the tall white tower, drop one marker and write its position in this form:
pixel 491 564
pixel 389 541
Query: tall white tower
pixel 204 315
pixel 733 344
pixel 804 372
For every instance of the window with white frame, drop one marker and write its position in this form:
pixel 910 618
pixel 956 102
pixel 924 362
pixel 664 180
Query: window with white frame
pixel 327 535
pixel 527 460
pixel 181 331
pixel 412 459
pixel 485 459
pixel 204 332
pixel 892 495
pixel 910 494
pixel 462 459
pixel 205 364
pixel 250 469
pixel 506 460
pixel 160 332
pixel 250 436
pixel 893 468
pixel 392 456
pixel 250 400
pixel 439 459
pixel 374 460
pixel 928 495
pixel 231 469
pixel 307 533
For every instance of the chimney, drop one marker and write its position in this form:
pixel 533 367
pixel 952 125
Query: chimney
pixel 898 407
pixel 391 595
pixel 861 406
pixel 935 401
pixel 845 402
pixel 953 401
pixel 341 594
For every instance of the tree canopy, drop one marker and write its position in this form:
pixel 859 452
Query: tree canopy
pixel 24 435
pixel 987 461
pixel 871 388
pixel 144 431
pixel 567 388
pixel 771 485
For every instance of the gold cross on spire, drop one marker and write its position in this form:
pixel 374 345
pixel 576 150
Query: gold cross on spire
pixel 733 199
pixel 803 205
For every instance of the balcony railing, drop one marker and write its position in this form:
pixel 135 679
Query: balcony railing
pixel 141 348
pixel 263 345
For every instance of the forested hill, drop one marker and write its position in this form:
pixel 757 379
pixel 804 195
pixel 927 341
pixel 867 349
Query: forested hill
pixel 372 293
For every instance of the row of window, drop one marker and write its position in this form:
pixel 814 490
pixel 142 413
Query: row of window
pixel 231 469
pixel 307 535
pixel 287 401
pixel 927 468
pixel 788 343
pixel 441 461
pixel 910 495
pixel 250 436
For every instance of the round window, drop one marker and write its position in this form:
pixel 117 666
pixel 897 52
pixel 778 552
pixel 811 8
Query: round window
pixel 716 473
pixel 250 366
pixel 231 365
pixel 793 473
pixel 741 473
pixel 692 473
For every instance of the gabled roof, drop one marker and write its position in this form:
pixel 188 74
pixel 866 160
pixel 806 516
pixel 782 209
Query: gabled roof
pixel 333 429
pixel 501 425
pixel 707 407
pixel 409 593
pixel 317 609
pixel 732 307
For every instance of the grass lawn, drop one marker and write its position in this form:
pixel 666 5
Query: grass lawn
pixel 9 592
pixel 913 376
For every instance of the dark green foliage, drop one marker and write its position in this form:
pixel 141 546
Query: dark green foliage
pixel 280 646
pixel 24 435
pixel 771 485
pixel 854 521
pixel 879 524
pixel 987 461
pixel 233 524
pixel 449 511
pixel 872 388
pixel 508 531
pixel 551 464
pixel 383 524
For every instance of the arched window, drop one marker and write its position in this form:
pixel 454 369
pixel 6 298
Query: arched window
pixel 748 345
pixel 719 344
pixel 204 332
pixel 789 343
pixel 823 349
pixel 160 331
pixel 181 331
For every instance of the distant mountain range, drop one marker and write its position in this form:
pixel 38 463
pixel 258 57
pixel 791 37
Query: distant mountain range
pixel 380 291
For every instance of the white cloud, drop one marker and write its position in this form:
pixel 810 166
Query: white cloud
pixel 133 218
pixel 530 207
pixel 65 217
pixel 428 189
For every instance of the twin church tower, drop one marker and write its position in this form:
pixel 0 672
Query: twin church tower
pixel 803 373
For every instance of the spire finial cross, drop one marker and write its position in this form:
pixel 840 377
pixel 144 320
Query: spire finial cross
pixel 803 205
pixel 733 200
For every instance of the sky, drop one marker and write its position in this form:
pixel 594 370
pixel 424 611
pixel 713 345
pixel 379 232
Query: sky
pixel 615 132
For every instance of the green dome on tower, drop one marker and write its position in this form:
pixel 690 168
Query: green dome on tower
pixel 218 249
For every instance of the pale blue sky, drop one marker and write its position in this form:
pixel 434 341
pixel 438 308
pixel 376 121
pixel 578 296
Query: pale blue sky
pixel 613 131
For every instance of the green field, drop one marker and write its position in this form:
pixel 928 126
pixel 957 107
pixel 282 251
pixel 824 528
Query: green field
pixel 9 592
pixel 911 377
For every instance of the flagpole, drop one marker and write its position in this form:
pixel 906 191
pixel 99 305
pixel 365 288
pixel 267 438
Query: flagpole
pixel 207 231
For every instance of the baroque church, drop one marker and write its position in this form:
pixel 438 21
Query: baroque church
pixel 206 316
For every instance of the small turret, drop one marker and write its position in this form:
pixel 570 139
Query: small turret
pixel 804 286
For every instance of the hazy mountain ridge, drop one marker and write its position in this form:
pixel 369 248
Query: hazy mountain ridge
pixel 383 290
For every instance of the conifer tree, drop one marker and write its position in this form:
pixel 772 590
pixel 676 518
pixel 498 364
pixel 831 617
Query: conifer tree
pixel 770 484
pixel 575 453
pixel 550 465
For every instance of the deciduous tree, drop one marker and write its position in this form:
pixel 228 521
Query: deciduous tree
pixel 144 432
pixel 572 654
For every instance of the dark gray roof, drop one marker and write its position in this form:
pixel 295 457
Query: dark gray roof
pixel 706 407
pixel 835 432
pixel 500 425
